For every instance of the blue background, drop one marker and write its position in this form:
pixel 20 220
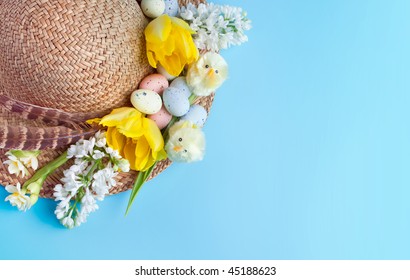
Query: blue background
pixel 308 153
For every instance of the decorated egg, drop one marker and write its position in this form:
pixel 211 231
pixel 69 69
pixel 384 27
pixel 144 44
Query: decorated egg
pixel 175 101
pixel 180 83
pixel 163 72
pixel 154 82
pixel 161 118
pixel 197 115
pixel 153 8
pixel 146 101
pixel 171 8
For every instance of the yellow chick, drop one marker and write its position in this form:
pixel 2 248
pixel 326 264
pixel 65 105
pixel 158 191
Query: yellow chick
pixel 186 142
pixel 207 74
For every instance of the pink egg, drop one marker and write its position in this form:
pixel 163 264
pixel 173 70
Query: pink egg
pixel 154 82
pixel 162 118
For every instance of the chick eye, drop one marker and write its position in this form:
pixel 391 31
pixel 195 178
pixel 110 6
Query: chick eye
pixel 216 71
pixel 144 93
pixel 207 66
pixel 180 139
pixel 185 151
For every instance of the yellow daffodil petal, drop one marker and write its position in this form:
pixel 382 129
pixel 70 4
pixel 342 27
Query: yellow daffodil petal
pixel 169 42
pixel 161 51
pixel 151 59
pixel 115 139
pixel 179 23
pixel 109 135
pixel 94 121
pixel 169 47
pixel 137 138
pixel 157 31
pixel 173 64
pixel 186 47
pixel 150 162
pixel 194 52
pixel 119 115
pixel 132 127
pixel 142 149
pixel 142 152
pixel 161 155
pixel 129 153
pixel 182 46
pixel 153 135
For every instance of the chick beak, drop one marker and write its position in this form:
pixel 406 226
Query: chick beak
pixel 177 149
pixel 211 73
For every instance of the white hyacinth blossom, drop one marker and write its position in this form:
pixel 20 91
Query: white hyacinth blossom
pixel 217 27
pixel 18 197
pixel 19 161
pixel 89 179
pixel 15 165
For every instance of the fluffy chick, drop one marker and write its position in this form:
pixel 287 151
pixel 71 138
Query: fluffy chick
pixel 186 142
pixel 207 74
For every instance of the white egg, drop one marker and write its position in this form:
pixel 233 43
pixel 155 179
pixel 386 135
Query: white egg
pixel 153 8
pixel 146 101
pixel 197 115
pixel 180 83
pixel 175 101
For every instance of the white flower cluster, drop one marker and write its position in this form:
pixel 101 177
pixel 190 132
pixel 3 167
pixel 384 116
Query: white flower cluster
pixel 217 27
pixel 88 180
pixel 18 161
pixel 18 197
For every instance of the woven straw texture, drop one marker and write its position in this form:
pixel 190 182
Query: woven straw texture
pixel 78 56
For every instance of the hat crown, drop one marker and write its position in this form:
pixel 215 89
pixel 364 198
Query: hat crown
pixel 73 55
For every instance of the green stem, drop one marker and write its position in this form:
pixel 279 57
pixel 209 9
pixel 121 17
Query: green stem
pixel 192 99
pixel 141 179
pixel 79 196
pixel 91 172
pixel 47 169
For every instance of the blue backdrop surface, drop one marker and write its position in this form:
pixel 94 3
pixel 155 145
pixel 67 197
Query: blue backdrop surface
pixel 308 153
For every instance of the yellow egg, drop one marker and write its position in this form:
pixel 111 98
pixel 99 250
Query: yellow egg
pixel 146 101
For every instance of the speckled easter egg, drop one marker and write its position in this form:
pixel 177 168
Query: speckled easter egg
pixel 171 7
pixel 197 115
pixel 180 83
pixel 161 118
pixel 163 72
pixel 175 101
pixel 153 8
pixel 146 101
pixel 154 82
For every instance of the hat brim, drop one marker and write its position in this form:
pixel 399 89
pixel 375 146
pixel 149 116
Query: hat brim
pixel 124 180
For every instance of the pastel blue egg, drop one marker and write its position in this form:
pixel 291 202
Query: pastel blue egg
pixel 180 83
pixel 171 8
pixel 197 115
pixel 175 101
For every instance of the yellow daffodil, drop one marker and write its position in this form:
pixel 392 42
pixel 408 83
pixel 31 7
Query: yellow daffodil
pixel 135 137
pixel 169 42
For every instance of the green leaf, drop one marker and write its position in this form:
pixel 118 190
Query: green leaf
pixel 141 179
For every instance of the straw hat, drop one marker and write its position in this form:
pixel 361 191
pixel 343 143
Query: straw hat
pixel 61 63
